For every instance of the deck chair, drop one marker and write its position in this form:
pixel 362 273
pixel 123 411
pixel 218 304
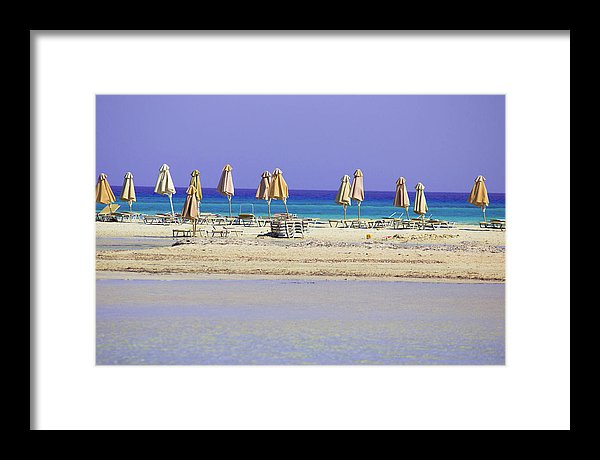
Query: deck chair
pixel 107 213
pixel 225 231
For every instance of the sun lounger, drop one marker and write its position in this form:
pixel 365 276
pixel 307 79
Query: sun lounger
pixel 437 223
pixel 162 219
pixel 290 228
pixel 262 222
pixel 283 215
pixel 188 232
pixel 339 223
pixel 499 224
pixel 226 231
pixel 363 223
pixel 107 214
pixel 128 216
pixel 247 220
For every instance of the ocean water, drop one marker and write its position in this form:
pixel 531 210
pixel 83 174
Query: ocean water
pixel 319 204
pixel 290 322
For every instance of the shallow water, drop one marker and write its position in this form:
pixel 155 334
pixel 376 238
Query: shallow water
pixel 270 322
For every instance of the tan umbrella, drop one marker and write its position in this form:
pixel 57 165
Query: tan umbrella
pixel 279 189
pixel 420 201
pixel 104 194
pixel 343 194
pixel 190 206
pixel 164 185
pixel 357 191
pixel 401 199
pixel 262 192
pixel 479 195
pixel 195 181
pixel 128 190
pixel 225 186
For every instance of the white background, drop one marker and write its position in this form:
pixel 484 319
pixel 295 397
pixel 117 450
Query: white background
pixel 531 392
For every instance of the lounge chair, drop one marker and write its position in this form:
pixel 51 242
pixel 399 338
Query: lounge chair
pixel 226 231
pixel 188 232
pixel 339 222
pixel 263 221
pixel 441 223
pixel 129 216
pixel 107 214
pixel 283 215
pixel 499 224
pixel 247 220
pixel 362 223
pixel 289 228
pixel 162 219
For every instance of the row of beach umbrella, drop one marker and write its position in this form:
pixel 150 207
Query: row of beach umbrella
pixel 271 187
pixel 274 187
pixel 356 192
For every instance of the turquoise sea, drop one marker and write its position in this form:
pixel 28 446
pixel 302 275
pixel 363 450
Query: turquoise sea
pixel 319 204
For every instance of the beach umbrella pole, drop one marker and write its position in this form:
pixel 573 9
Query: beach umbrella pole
pixel 171 201
pixel 286 208
pixel 359 210
pixel 483 209
pixel 344 212
pixel 407 216
pixel 269 206
pixel 229 198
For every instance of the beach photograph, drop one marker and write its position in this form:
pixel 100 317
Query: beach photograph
pixel 300 229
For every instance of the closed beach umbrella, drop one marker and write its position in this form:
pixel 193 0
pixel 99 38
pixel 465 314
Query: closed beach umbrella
pixel 401 199
pixel 164 185
pixel 420 202
pixel 279 189
pixel 343 194
pixel 225 186
pixel 104 194
pixel 479 195
pixel 128 191
pixel 262 192
pixel 195 181
pixel 190 206
pixel 357 191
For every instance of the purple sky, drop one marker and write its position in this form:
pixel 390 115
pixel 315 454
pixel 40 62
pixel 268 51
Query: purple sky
pixel 442 141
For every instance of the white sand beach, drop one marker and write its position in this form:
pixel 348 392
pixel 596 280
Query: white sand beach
pixel 462 254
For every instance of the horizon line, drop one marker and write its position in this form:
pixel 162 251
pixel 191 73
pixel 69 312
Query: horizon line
pixel 306 189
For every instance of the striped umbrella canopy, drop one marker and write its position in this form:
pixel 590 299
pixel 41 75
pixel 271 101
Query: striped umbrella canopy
pixel 164 184
pixel 401 199
pixel 195 182
pixel 343 194
pixel 104 194
pixel 420 207
pixel 128 190
pixel 225 186
pixel 479 195
pixel 262 192
pixel 279 189
pixel 357 191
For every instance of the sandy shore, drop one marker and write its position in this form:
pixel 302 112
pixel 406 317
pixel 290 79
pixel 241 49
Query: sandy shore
pixel 462 254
